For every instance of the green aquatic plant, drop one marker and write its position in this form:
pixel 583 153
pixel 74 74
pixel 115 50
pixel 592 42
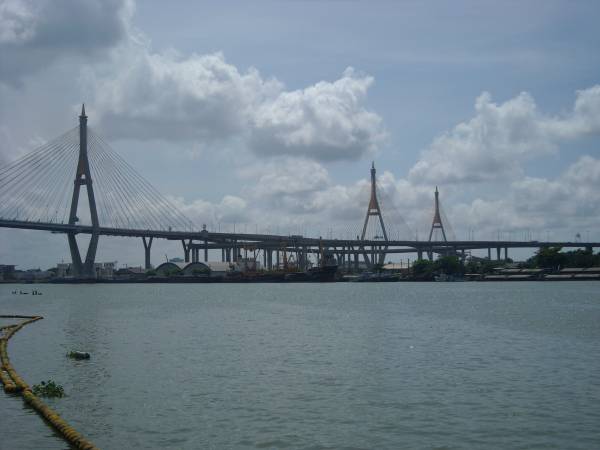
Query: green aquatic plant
pixel 48 389
pixel 78 355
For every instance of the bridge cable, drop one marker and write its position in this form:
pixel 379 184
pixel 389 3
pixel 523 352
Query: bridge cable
pixel 27 191
pixel 33 194
pixel 118 183
pixel 135 186
pixel 170 212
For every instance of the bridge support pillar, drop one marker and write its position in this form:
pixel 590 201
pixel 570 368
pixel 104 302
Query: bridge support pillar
pixel 305 259
pixel 205 250
pixel 382 255
pixel 365 256
pixel 419 254
pixel 83 269
pixel 498 255
pixel 505 253
pixel 489 253
pixel 147 246
pixel 77 266
pixel 186 250
pixel 299 258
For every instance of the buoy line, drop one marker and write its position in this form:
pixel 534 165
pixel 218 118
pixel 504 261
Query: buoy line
pixel 13 383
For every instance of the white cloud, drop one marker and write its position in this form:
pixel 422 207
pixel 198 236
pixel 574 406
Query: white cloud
pixel 231 209
pixel 494 143
pixel 297 195
pixel 326 121
pixel 584 120
pixel 567 204
pixel 285 178
pixel 165 96
pixel 11 149
pixel 16 22
pixel 142 94
pixel 573 196
pixel 34 34
pixel 302 190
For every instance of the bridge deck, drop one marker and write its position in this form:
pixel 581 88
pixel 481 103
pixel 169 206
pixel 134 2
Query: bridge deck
pixel 269 240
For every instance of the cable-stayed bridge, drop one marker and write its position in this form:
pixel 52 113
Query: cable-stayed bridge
pixel 77 184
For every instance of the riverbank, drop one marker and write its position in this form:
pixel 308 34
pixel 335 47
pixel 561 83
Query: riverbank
pixel 276 280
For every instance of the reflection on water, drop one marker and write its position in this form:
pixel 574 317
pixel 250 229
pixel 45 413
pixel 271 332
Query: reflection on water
pixel 444 365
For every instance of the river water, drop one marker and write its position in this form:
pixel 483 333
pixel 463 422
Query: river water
pixel 312 366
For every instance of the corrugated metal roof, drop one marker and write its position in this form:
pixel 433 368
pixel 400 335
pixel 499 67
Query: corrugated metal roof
pixel 219 266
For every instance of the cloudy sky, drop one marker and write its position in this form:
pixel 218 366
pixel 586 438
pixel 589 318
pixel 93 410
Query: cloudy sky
pixel 268 114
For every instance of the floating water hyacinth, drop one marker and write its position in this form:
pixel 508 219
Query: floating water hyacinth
pixel 48 389
pixel 78 355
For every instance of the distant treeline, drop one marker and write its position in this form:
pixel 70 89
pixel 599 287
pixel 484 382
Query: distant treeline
pixel 550 258
pixel 554 258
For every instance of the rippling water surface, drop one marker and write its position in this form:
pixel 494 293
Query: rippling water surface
pixel 312 366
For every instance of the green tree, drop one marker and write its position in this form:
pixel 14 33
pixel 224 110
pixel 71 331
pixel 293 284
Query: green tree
pixel 378 268
pixel 422 269
pixel 580 258
pixel 550 257
pixel 480 266
pixel 450 265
